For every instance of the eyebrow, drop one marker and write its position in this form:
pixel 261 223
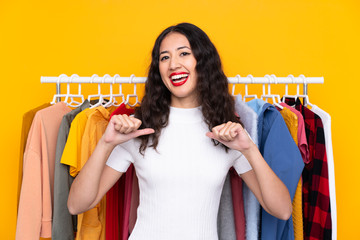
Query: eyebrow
pixel 176 49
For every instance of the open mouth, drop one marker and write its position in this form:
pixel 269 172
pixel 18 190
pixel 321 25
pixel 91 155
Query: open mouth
pixel 179 79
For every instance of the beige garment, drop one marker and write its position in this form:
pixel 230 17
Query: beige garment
pixel 26 124
pixel 35 204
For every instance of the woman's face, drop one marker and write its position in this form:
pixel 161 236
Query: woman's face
pixel 177 69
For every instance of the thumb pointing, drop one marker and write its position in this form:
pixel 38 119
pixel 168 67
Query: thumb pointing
pixel 144 131
pixel 212 135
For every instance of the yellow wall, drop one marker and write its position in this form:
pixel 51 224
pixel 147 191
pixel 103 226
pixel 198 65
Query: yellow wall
pixel 314 38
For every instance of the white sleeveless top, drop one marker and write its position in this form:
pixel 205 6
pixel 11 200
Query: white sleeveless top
pixel 180 184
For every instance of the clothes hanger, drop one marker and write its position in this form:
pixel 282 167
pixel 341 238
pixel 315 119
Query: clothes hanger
pixel 306 97
pixel 72 102
pixel 132 95
pixel 99 95
pixel 246 88
pixel 121 95
pixel 58 95
pixel 233 90
pixel 106 104
pixel 286 90
pixel 234 85
pixel 265 97
pixel 69 96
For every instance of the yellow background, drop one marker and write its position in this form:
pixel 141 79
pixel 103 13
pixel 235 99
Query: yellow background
pixel 281 37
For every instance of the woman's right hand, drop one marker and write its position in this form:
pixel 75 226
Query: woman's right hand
pixel 122 128
pixel 95 177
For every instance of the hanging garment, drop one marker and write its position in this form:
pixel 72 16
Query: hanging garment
pixel 35 205
pixel 72 152
pixel 301 136
pixel 91 224
pixel 304 150
pixel 282 155
pixel 128 196
pixel 64 224
pixel 85 131
pixel 225 218
pixel 291 121
pixel 180 206
pixel 113 203
pixel 317 213
pixel 326 119
pixel 238 204
pixel 26 124
pixel 227 227
pixel 251 205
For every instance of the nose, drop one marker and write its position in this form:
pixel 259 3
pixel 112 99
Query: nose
pixel 174 63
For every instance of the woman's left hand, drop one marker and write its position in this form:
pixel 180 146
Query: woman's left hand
pixel 270 191
pixel 232 135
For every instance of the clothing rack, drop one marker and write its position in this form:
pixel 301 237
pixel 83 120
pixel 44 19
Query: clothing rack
pixel 249 79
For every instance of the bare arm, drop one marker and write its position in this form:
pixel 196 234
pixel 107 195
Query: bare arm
pixel 93 181
pixel 270 191
pixel 95 178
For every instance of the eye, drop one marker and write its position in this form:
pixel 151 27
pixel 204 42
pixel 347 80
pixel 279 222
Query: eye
pixel 184 53
pixel 164 58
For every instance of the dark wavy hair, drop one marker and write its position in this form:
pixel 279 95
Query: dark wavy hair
pixel 212 85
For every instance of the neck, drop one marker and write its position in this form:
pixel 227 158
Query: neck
pixel 185 103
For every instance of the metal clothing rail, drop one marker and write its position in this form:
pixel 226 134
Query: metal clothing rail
pixel 117 79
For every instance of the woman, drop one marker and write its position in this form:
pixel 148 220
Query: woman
pixel 182 141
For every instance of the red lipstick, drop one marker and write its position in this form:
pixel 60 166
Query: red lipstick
pixel 178 82
pixel 177 73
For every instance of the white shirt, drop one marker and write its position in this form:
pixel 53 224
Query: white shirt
pixel 180 183
pixel 326 119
